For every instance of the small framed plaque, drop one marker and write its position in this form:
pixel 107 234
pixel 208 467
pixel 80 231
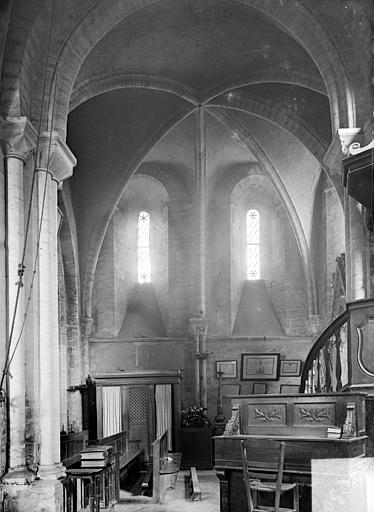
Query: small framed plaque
pixel 228 369
pixel 290 368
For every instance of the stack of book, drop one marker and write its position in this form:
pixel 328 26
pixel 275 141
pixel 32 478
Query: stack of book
pixel 96 456
pixel 334 432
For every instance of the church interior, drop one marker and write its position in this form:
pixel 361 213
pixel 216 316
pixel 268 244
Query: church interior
pixel 186 217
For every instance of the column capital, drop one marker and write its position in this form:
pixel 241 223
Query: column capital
pixel 17 137
pixel 55 156
pixel 348 136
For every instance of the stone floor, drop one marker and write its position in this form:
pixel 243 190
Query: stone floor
pixel 177 500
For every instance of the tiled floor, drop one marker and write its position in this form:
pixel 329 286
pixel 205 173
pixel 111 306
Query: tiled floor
pixel 177 500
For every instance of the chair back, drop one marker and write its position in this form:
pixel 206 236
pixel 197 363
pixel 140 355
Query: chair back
pixel 243 450
pixel 278 476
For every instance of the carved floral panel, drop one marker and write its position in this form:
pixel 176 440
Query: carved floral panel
pixel 315 414
pixel 267 414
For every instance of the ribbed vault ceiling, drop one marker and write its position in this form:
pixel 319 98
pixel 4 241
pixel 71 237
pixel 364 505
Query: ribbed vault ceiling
pixel 197 44
pixel 136 93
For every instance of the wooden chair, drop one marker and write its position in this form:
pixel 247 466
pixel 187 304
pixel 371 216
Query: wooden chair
pixel 256 483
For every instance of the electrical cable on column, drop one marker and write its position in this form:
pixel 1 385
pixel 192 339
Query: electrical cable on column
pixel 21 266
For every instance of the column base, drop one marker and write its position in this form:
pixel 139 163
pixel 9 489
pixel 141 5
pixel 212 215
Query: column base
pixel 18 476
pixel 38 496
pixel 51 471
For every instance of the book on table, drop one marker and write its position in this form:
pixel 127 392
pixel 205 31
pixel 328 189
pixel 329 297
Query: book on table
pixel 94 463
pixel 333 432
pixel 96 452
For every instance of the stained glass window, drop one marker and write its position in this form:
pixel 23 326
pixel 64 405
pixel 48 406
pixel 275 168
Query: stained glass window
pixel 144 260
pixel 253 245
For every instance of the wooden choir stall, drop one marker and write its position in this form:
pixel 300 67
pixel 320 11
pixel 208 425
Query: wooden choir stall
pixel 302 422
pixel 128 417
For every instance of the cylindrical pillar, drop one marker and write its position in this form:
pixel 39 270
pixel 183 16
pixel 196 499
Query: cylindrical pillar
pixel 55 162
pixel 17 138
pixel 75 375
pixel 200 177
pixel 50 465
pixel 197 371
pixel 63 377
pixel 16 309
pixel 87 325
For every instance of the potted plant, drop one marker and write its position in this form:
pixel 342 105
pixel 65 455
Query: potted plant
pixel 196 438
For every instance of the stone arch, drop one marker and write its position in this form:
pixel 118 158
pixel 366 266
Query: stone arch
pixel 69 253
pixel 235 125
pixel 109 82
pixel 170 177
pixel 282 76
pixel 134 306
pixel 98 236
pixel 234 175
pixel 179 185
pixel 300 23
pixel 271 111
pixel 293 124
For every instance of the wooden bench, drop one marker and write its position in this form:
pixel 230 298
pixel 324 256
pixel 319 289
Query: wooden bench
pixel 194 485
pixel 147 481
pixel 96 486
pixel 127 455
pixel 163 470
pixel 128 451
pixel 71 446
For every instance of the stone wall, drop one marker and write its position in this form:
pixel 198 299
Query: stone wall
pixel 287 285
pixel 112 356
pixel 327 244
pixel 335 241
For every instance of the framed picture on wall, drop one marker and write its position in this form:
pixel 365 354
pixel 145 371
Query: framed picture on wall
pixel 259 388
pixel 289 389
pixel 290 368
pixel 228 369
pixel 260 367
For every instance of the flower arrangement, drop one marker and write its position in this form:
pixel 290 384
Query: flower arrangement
pixel 194 416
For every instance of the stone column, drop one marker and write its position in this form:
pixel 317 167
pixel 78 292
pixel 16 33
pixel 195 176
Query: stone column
pixel 200 177
pixel 55 163
pixel 75 375
pixel 17 138
pixel 87 325
pixel 63 377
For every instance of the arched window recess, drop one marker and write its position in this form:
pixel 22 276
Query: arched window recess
pixel 144 259
pixel 253 245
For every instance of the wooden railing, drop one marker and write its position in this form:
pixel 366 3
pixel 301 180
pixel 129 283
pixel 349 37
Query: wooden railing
pixel 326 367
pixel 118 441
pixel 165 466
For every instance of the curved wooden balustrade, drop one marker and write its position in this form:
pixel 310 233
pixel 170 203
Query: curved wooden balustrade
pixel 326 367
